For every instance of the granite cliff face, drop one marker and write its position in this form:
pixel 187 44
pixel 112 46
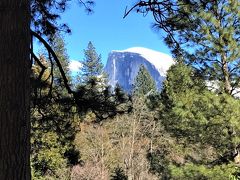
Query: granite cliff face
pixel 123 66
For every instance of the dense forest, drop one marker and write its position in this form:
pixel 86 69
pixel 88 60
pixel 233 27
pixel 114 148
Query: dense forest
pixel 82 129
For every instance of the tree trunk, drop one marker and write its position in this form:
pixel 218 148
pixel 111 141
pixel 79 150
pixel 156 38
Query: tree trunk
pixel 227 85
pixel 14 90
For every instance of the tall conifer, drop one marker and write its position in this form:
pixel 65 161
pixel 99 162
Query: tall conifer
pixel 92 68
pixel 144 84
pixel 202 33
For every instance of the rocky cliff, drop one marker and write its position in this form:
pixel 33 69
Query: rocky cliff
pixel 122 66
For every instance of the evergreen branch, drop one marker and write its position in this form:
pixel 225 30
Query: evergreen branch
pixel 158 10
pixel 51 74
pixel 226 158
pixel 237 66
pixel 50 50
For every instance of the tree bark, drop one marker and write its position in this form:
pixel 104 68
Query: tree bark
pixel 227 85
pixel 14 90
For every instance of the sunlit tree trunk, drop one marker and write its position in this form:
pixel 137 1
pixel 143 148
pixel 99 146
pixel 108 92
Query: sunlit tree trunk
pixel 14 90
pixel 226 79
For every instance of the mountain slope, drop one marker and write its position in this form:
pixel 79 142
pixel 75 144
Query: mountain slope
pixel 123 65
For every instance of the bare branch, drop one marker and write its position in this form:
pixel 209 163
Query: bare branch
pixel 130 10
pixel 88 8
pixel 43 68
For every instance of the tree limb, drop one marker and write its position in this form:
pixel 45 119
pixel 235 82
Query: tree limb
pixel 50 50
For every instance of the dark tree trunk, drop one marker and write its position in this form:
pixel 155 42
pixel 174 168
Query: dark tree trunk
pixel 14 90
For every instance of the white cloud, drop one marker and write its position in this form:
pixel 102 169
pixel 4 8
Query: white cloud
pixel 74 65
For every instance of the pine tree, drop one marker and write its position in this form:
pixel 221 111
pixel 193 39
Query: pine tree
pixel 144 84
pixel 118 174
pixel 59 47
pixel 204 34
pixel 53 126
pixel 200 119
pixel 14 89
pixel 215 39
pixel 92 68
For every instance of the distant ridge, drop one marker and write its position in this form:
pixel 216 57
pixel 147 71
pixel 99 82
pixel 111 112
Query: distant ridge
pixel 123 65
pixel 154 57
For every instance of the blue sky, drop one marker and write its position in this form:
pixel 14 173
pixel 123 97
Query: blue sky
pixel 107 29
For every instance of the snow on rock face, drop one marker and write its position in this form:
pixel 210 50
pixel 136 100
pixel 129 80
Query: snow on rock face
pixel 74 65
pixel 123 66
